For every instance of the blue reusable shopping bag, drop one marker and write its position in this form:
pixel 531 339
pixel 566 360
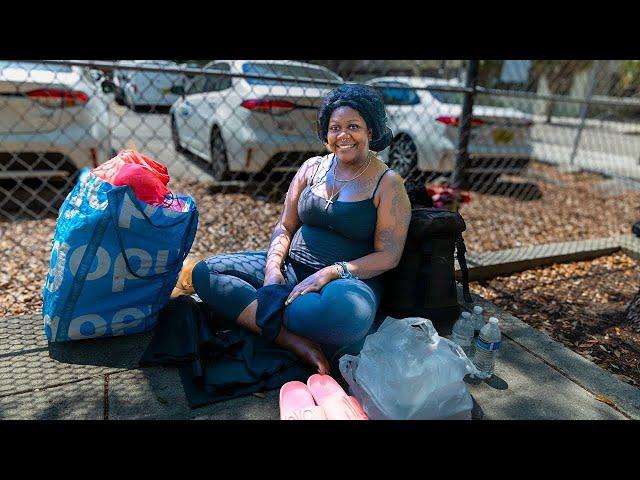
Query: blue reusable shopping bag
pixel 114 261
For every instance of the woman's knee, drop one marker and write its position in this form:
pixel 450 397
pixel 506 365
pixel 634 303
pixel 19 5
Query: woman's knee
pixel 200 276
pixel 339 318
pixel 351 318
pixel 226 295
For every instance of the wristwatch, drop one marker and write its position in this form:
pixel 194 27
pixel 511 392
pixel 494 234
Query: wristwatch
pixel 343 271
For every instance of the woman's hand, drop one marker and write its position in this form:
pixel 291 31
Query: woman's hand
pixel 313 283
pixel 273 277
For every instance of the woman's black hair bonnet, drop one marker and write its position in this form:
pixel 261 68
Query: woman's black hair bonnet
pixel 368 102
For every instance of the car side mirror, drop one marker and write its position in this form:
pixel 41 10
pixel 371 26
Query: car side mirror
pixel 108 86
pixel 177 90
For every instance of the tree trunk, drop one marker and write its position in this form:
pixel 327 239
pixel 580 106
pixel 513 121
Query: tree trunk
pixel 633 310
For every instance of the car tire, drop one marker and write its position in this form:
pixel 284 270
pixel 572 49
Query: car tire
pixel 174 136
pixel 403 156
pixel 120 99
pixel 219 163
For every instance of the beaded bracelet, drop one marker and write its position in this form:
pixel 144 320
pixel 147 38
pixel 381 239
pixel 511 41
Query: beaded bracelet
pixel 345 271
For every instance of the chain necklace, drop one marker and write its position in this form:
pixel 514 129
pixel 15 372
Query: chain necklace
pixel 333 186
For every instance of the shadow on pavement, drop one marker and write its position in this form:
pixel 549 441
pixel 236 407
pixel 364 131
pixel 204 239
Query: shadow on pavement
pixel 114 352
pixel 476 411
pixel 157 109
pixel 493 381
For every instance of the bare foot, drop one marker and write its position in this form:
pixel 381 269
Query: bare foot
pixel 308 351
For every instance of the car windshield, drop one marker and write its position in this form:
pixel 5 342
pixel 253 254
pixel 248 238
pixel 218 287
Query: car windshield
pixel 281 69
pixel 396 96
pixel 450 98
pixel 5 64
pixel 159 63
pixel 457 98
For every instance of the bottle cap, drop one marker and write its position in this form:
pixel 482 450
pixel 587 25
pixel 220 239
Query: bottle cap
pixel 493 320
pixel 466 314
pixel 477 309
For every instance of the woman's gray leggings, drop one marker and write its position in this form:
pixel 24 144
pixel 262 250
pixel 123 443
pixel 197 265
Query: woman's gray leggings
pixel 338 316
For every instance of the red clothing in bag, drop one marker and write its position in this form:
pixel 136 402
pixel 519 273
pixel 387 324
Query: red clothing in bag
pixel 147 178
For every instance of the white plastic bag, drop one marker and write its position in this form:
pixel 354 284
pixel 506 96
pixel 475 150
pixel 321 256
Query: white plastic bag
pixel 406 371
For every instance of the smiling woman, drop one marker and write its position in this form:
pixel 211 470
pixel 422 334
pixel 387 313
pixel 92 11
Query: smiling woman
pixel 317 289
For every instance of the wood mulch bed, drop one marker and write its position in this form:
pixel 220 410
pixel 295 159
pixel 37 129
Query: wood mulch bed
pixel 549 207
pixel 581 304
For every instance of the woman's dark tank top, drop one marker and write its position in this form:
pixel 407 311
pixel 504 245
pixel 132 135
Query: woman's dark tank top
pixel 342 232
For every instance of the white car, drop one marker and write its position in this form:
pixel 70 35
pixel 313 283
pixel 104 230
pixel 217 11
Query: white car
pixel 140 88
pixel 251 124
pixel 425 128
pixel 54 120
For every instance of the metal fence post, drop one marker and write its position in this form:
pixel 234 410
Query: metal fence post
pixel 583 109
pixel 465 123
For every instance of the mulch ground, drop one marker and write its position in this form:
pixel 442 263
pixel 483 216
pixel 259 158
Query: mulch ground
pixel 548 207
pixel 580 304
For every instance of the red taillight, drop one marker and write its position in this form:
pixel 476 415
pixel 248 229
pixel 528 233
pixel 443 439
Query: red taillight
pixel 270 106
pixel 57 97
pixel 94 157
pixel 450 120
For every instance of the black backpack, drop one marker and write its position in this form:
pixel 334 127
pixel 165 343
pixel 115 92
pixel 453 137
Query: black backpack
pixel 423 284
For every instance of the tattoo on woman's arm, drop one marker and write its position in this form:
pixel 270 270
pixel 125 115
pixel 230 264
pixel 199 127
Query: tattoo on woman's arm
pixel 388 240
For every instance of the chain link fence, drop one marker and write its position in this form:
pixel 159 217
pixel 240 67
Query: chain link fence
pixel 552 152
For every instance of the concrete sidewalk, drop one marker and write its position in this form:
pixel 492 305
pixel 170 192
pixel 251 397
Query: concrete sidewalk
pixel 536 378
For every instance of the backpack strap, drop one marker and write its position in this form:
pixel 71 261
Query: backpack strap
pixel 462 261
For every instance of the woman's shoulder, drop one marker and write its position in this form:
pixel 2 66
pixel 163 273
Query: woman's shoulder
pixel 386 175
pixel 311 165
pixel 388 181
pixel 315 161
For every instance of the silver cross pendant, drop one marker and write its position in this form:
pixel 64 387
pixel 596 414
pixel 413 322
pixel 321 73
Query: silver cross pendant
pixel 329 201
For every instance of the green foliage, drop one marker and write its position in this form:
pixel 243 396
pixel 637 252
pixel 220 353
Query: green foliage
pixel 629 72
pixel 489 72
pixel 559 73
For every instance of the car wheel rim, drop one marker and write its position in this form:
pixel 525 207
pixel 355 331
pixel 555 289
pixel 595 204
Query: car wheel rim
pixel 403 157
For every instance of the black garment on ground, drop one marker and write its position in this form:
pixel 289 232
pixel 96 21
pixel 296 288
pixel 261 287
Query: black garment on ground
pixel 636 229
pixel 217 365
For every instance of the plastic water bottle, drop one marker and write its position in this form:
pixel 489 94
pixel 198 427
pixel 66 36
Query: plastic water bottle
pixel 462 333
pixel 487 345
pixel 478 319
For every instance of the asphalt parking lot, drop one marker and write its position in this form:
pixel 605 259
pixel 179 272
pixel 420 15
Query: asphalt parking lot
pixel 150 133
pixel 607 149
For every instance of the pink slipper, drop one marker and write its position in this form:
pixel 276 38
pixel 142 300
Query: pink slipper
pixel 329 395
pixel 296 403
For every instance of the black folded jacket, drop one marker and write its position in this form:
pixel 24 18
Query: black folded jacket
pixel 216 364
pixel 270 310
